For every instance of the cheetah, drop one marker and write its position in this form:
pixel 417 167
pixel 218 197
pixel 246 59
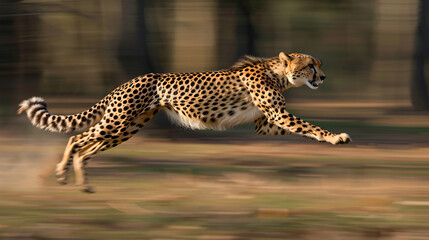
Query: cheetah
pixel 250 90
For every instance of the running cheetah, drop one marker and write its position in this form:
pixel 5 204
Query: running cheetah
pixel 251 90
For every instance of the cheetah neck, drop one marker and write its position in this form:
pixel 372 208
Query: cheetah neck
pixel 277 72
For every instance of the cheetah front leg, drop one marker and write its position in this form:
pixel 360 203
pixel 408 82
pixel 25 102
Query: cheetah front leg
pixel 301 127
pixel 264 127
pixel 295 125
pixel 277 121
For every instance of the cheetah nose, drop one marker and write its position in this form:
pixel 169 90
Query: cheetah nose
pixel 322 77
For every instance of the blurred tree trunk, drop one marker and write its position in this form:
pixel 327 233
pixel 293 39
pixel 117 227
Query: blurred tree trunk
pixel 19 65
pixel 133 50
pixel 419 90
pixel 246 34
pixel 247 30
pixel 9 54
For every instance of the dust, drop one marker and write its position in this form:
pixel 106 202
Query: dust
pixel 26 165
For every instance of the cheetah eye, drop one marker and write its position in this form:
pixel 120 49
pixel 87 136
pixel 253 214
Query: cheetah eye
pixel 310 65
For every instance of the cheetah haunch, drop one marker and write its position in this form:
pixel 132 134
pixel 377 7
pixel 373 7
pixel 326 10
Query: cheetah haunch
pixel 251 90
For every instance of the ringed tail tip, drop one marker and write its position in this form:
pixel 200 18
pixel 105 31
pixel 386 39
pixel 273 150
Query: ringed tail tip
pixel 26 104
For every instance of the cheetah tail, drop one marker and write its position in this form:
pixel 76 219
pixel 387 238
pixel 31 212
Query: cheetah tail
pixel 39 116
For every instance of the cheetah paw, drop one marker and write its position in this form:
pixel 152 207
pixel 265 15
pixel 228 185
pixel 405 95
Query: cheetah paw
pixel 61 179
pixel 88 189
pixel 341 138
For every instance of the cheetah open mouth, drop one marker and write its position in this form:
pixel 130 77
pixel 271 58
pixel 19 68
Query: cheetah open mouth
pixel 312 84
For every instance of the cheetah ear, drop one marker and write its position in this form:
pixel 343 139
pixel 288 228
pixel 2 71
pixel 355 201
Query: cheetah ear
pixel 284 58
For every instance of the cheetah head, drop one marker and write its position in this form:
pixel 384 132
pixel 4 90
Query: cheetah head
pixel 301 69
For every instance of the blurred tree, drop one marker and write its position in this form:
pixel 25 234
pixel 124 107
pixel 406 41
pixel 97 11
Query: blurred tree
pixel 133 49
pixel 419 90
pixel 247 34
pixel 9 52
pixel 19 65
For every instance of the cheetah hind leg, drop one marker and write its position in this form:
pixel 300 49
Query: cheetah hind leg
pixel 79 162
pixel 89 148
pixel 64 166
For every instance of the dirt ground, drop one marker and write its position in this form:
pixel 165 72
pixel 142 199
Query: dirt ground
pixel 231 185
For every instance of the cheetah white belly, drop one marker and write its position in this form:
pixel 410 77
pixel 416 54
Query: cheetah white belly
pixel 239 117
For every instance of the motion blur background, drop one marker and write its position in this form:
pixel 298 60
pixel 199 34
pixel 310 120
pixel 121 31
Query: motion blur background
pixel 86 48
pixel 178 184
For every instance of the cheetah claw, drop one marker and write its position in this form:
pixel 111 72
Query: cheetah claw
pixel 342 138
